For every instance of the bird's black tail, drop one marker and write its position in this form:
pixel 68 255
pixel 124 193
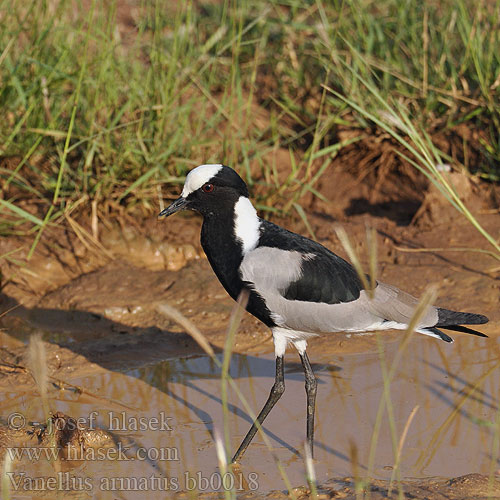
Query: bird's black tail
pixel 453 320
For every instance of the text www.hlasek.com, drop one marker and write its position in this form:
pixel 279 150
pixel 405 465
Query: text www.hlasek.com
pixel 77 453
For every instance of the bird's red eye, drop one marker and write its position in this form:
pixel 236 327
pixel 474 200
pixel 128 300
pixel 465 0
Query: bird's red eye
pixel 207 188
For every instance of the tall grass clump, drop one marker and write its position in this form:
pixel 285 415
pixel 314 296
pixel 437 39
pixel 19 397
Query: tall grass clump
pixel 105 102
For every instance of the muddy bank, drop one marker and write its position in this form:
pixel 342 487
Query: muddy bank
pixel 469 487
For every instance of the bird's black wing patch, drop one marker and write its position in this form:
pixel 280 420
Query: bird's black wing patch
pixel 325 277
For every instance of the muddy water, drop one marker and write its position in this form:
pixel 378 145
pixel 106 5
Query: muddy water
pixel 163 417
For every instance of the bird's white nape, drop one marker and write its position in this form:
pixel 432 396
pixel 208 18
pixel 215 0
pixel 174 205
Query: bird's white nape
pixel 246 224
pixel 199 176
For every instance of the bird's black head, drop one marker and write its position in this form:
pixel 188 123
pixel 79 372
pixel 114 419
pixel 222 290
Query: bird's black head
pixel 209 189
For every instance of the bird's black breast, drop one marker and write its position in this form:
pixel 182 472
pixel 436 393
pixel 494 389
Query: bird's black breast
pixel 225 256
pixel 325 277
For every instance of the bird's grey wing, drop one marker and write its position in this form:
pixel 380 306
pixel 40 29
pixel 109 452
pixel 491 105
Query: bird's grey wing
pixel 393 304
pixel 271 270
pixel 278 276
pixel 323 277
pixel 303 276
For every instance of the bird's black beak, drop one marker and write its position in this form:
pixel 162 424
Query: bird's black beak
pixel 178 204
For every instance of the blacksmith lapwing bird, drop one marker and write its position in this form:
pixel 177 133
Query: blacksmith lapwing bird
pixel 296 286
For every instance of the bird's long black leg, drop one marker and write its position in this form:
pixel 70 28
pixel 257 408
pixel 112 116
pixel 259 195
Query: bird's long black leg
pixel 311 389
pixel 276 392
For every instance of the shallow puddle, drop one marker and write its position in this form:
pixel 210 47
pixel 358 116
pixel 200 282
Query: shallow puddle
pixel 163 418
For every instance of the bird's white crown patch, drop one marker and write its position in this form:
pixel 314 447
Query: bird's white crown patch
pixel 199 176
